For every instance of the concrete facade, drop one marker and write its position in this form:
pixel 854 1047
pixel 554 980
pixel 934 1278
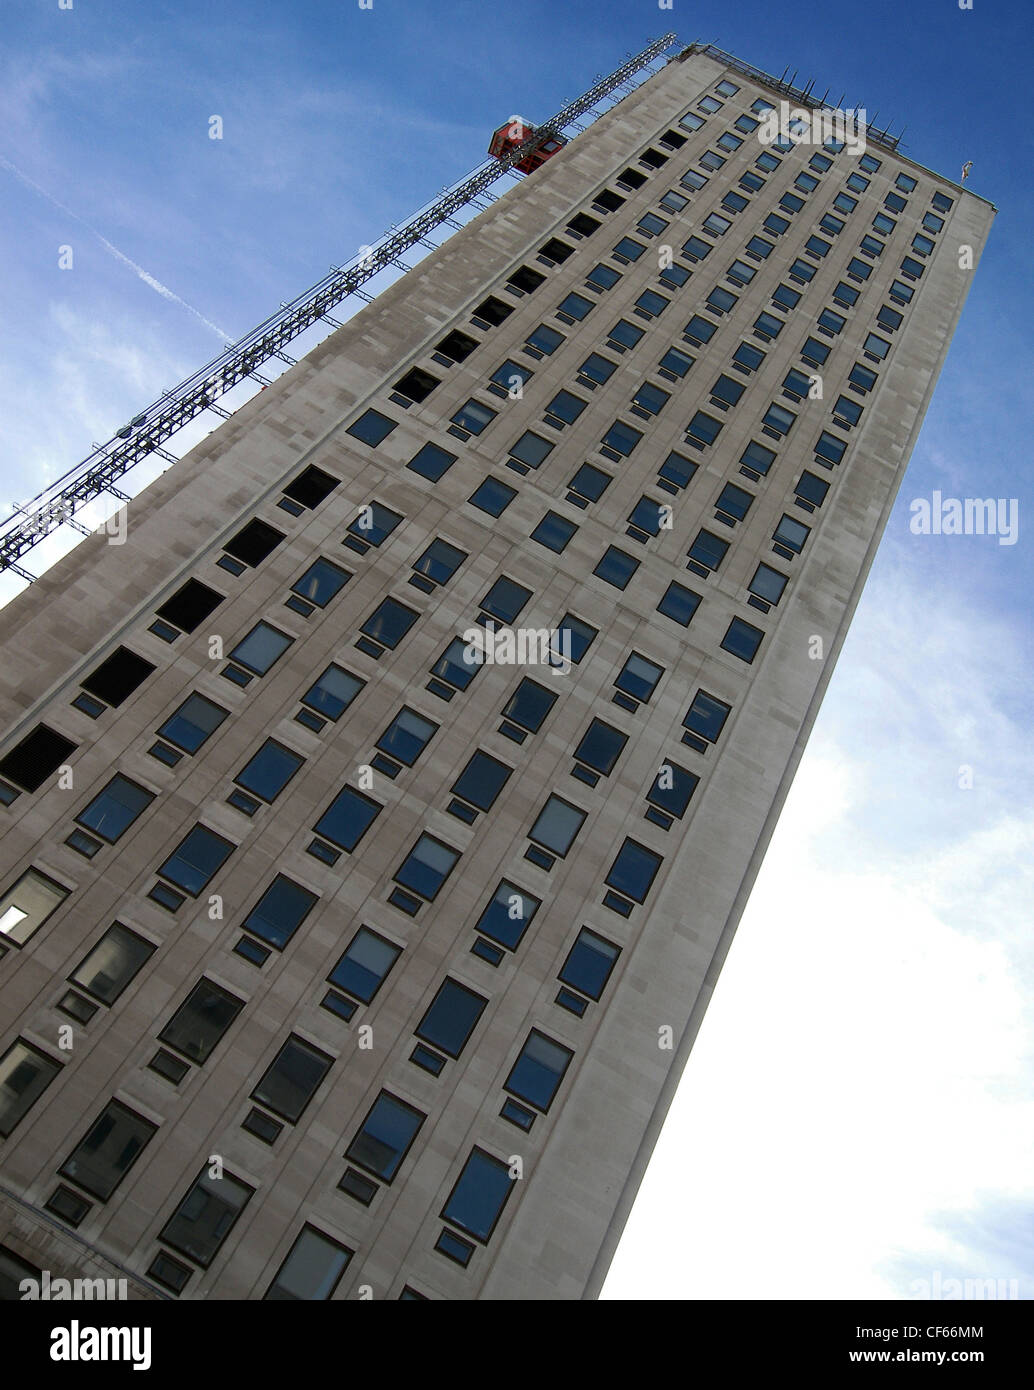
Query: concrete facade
pixel 582 1161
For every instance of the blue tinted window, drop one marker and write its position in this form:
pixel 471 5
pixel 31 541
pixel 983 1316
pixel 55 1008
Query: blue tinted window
pixel 603 276
pixel 590 482
pixel 566 406
pixel 407 736
pixel 476 1202
pixel 371 428
pixel 474 416
pixel 557 825
pixel 742 639
pixel 704 427
pixel 576 306
pixel 529 705
pixel 647 515
pixel 261 648
pixel 390 622
pixel 427 865
pixel 579 634
pixel 768 584
pixel 292 1079
pixel 192 723
pixel 791 533
pixel 451 1017
pixel 531 448
pixel 481 780
pixel 679 604
pixel 385 1136
pixel 589 963
pixel 538 1071
pixel 672 788
pixel 269 771
pixel 333 692
pixel 554 532
pixel 706 716
pixel 597 368
pixel 348 817
pixel 633 870
pixel 759 458
pixel 375 523
pixel 114 810
pixel 600 747
pixel 199 856
pixel 708 549
pixel 676 361
pixel 508 915
pixel 492 497
pixel 362 969
pixel 505 599
pixel 616 567
pixel 458 664
pixel 280 911
pixel 621 437
pixel 639 676
pixel 431 462
pixel 440 561
pixel 546 339
pixel 511 375
pixel 625 333
pixel 320 582
pixel 734 500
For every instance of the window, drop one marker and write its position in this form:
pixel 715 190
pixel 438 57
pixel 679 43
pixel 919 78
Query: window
pixel 831 448
pixel 624 333
pixel 634 870
pixel 858 270
pixel 580 636
pixel 605 277
pixel 651 398
pixel 458 664
pixel 850 410
pixel 199 856
pixel 566 407
pixel 508 916
pixel 768 584
pixel 647 515
pixel 365 964
pixel 672 789
pixel 427 865
pixel 791 534
pixel 639 676
pixel 597 368
pixel 389 622
pixel 373 525
pixel 292 1079
pixel 589 963
pixel 710 160
pixel 727 390
pixel 870 246
pixel 261 648
pixel 790 202
pixel 347 819
pixel 451 1017
pixel 905 182
pixel 622 438
pixel 531 448
pixel 922 244
pixel 704 427
pixel 25 1073
pixel 734 502
pixel 817 246
pixel 28 904
pixel 407 736
pixel 742 640
pixel 333 692
pixel 675 363
pixel 190 605
pixel 268 772
pixel 869 163
pixel 811 489
pixel 554 532
pixel 756 459
pixel 481 780
pixel 716 224
pixel 843 202
pixel 206 1216
pixel 600 747
pixel 912 267
pixel 616 567
pixel 556 250
pixel 863 377
pixel 476 1202
pixel 674 202
pixel 312 1269
pixel 253 543
pixel 385 1136
pixel 536 1075
pixel 312 485
pixel 371 428
pixel 492 496
pixel 876 346
pixel 108 1150
pixel 280 911
pixel 728 141
pixel 700 330
pixel 36 758
pixel 708 550
pixel 529 705
pixel 112 964
pixel 845 293
pixel 651 303
pixel 679 604
pixel 779 420
pixel 590 482
pixel 814 352
pixel 691 121
pixel 768 162
pixel 505 599
pixel 200 1022
pixel 721 300
pixel 942 202
pixel 417 385
pixel 807 183
pixel 831 225
pixel 883 224
pixel 194 722
pixel 473 417
pixel 113 810
pixel 545 340
pixel 741 273
pixel 574 306
pixel 557 825
pixel 116 678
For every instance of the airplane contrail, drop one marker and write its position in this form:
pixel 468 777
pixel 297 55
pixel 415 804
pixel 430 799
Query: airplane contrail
pixel 137 270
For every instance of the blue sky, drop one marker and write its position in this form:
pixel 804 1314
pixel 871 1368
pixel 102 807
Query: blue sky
pixel 858 1111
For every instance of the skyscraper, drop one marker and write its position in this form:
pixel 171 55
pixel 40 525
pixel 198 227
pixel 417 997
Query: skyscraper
pixel 351 946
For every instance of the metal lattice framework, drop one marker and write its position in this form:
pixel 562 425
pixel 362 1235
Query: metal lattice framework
pixel 144 436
